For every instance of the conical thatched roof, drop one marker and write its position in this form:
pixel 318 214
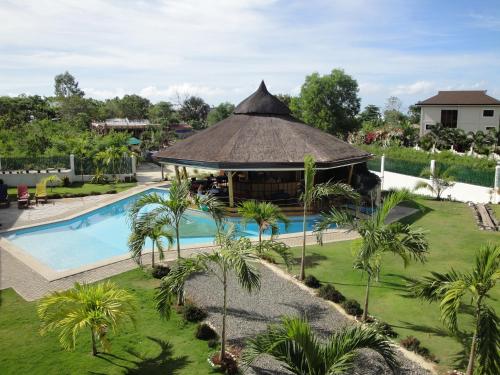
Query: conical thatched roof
pixel 261 134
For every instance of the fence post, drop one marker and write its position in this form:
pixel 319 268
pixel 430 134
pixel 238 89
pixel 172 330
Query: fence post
pixel 0 163
pixel 433 168
pixel 133 160
pixel 382 169
pixel 72 163
pixel 497 183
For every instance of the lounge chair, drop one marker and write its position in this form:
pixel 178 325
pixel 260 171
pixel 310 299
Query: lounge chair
pixel 4 195
pixel 23 196
pixel 41 192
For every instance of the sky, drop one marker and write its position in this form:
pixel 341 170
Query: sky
pixel 221 50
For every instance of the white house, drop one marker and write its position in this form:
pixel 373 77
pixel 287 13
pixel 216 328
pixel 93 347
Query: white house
pixel 467 110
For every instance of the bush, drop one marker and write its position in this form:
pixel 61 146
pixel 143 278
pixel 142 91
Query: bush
pixel 65 181
pixel 112 191
pixel 352 307
pixel 95 193
pixel 193 313
pixel 329 293
pixel 385 329
pixel 212 343
pixel 159 271
pixel 312 282
pixel 413 344
pixel 205 332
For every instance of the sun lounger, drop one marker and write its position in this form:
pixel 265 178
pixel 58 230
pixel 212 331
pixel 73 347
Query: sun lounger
pixel 4 195
pixel 41 192
pixel 23 196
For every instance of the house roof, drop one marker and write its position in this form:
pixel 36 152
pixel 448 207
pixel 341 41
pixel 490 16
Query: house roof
pixel 261 134
pixel 469 97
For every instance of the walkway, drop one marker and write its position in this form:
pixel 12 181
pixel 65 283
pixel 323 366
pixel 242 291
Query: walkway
pixel 249 314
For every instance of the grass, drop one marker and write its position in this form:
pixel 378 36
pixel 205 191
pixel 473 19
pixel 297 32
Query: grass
pixel 79 188
pixel 496 210
pixel 454 238
pixel 154 346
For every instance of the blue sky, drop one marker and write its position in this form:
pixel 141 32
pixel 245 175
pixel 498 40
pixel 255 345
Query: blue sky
pixel 220 50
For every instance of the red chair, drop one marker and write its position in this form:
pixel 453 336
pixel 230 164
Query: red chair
pixel 23 196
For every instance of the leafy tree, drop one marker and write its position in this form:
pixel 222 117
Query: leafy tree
pixel 160 112
pixel 312 193
pixel 379 237
pixel 440 180
pixel 110 156
pixel 65 85
pixel 145 226
pixel 194 110
pixel 392 113
pixel 453 289
pixel 301 351
pixel 330 102
pixel 219 113
pixel 414 114
pixel 98 308
pixel 234 256
pixel 371 113
pixel 134 107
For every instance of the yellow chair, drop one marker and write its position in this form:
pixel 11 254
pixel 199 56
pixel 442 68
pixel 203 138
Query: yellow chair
pixel 41 192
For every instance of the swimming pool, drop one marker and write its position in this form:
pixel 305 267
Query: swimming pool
pixel 102 234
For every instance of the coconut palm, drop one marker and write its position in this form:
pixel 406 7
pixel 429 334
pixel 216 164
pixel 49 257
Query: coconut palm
pixel 213 206
pixel 97 308
pixel 146 226
pixel 440 180
pixel 312 193
pixel 379 237
pixel 110 156
pixel 82 150
pixel 234 255
pixel 300 351
pixel 52 180
pixel 453 288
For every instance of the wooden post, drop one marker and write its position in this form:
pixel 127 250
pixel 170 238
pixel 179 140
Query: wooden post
pixel 184 172
pixel 162 174
pixel 349 178
pixel 177 175
pixel 230 188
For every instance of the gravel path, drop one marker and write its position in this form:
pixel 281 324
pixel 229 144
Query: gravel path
pixel 249 314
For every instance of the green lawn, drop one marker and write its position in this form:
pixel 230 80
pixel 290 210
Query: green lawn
pixel 454 238
pixel 154 346
pixel 79 188
pixel 496 210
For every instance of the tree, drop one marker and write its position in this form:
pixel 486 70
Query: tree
pixel 134 107
pixel 97 307
pixel 160 112
pixel 219 113
pixel 440 180
pixel 312 193
pixel 371 113
pixel 82 150
pixel 330 102
pixel 145 226
pixel 194 110
pixel 452 289
pixel 65 85
pixel 301 351
pixel 110 156
pixel 234 256
pixel 379 237
pixel 392 113
pixel 414 114
pixel 267 216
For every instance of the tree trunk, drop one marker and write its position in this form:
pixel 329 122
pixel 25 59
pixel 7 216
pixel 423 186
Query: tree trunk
pixel 94 348
pixel 153 256
pixel 81 167
pixel 224 312
pixel 260 240
pixel 180 295
pixel 473 348
pixel 303 257
pixel 365 310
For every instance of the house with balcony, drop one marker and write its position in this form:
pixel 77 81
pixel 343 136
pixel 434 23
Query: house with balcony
pixel 471 111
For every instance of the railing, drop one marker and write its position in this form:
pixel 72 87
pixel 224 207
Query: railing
pixel 34 163
pixel 90 166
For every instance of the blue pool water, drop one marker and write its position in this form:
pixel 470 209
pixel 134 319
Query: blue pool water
pixel 103 233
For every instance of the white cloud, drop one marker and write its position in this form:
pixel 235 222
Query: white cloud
pixel 419 87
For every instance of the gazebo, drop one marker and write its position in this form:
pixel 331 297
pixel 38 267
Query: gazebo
pixel 260 149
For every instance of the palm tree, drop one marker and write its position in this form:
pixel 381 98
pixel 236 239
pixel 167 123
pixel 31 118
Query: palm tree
pixel 313 193
pixel 96 307
pixel 452 288
pixel 234 255
pixel 52 180
pixel 441 180
pixel 110 156
pixel 379 237
pixel 149 226
pixel 294 344
pixel 82 150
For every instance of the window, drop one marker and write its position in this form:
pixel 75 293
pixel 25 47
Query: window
pixel 488 112
pixel 488 128
pixel 428 126
pixel 449 118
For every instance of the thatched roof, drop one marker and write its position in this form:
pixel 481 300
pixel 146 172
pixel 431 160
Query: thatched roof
pixel 261 134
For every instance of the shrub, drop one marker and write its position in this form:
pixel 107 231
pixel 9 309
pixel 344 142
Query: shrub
pixel 329 293
pixel 385 329
pixel 193 313
pixel 112 191
pixel 65 181
pixel 312 282
pixel 160 271
pixel 95 193
pixel 352 307
pixel 413 344
pixel 212 343
pixel 205 332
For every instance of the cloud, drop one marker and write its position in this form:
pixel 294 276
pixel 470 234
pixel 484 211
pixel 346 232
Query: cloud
pixel 419 87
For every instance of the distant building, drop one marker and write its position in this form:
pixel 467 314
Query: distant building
pixel 181 130
pixel 466 110
pixel 136 127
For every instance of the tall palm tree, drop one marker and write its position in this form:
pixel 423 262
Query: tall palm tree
pixel 379 237
pixel 111 155
pixel 440 180
pixel 313 193
pixel 451 289
pixel 82 150
pixel 146 226
pixel 294 344
pixel 94 307
pixel 235 255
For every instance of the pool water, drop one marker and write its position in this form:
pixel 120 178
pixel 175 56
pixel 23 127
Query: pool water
pixel 103 233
